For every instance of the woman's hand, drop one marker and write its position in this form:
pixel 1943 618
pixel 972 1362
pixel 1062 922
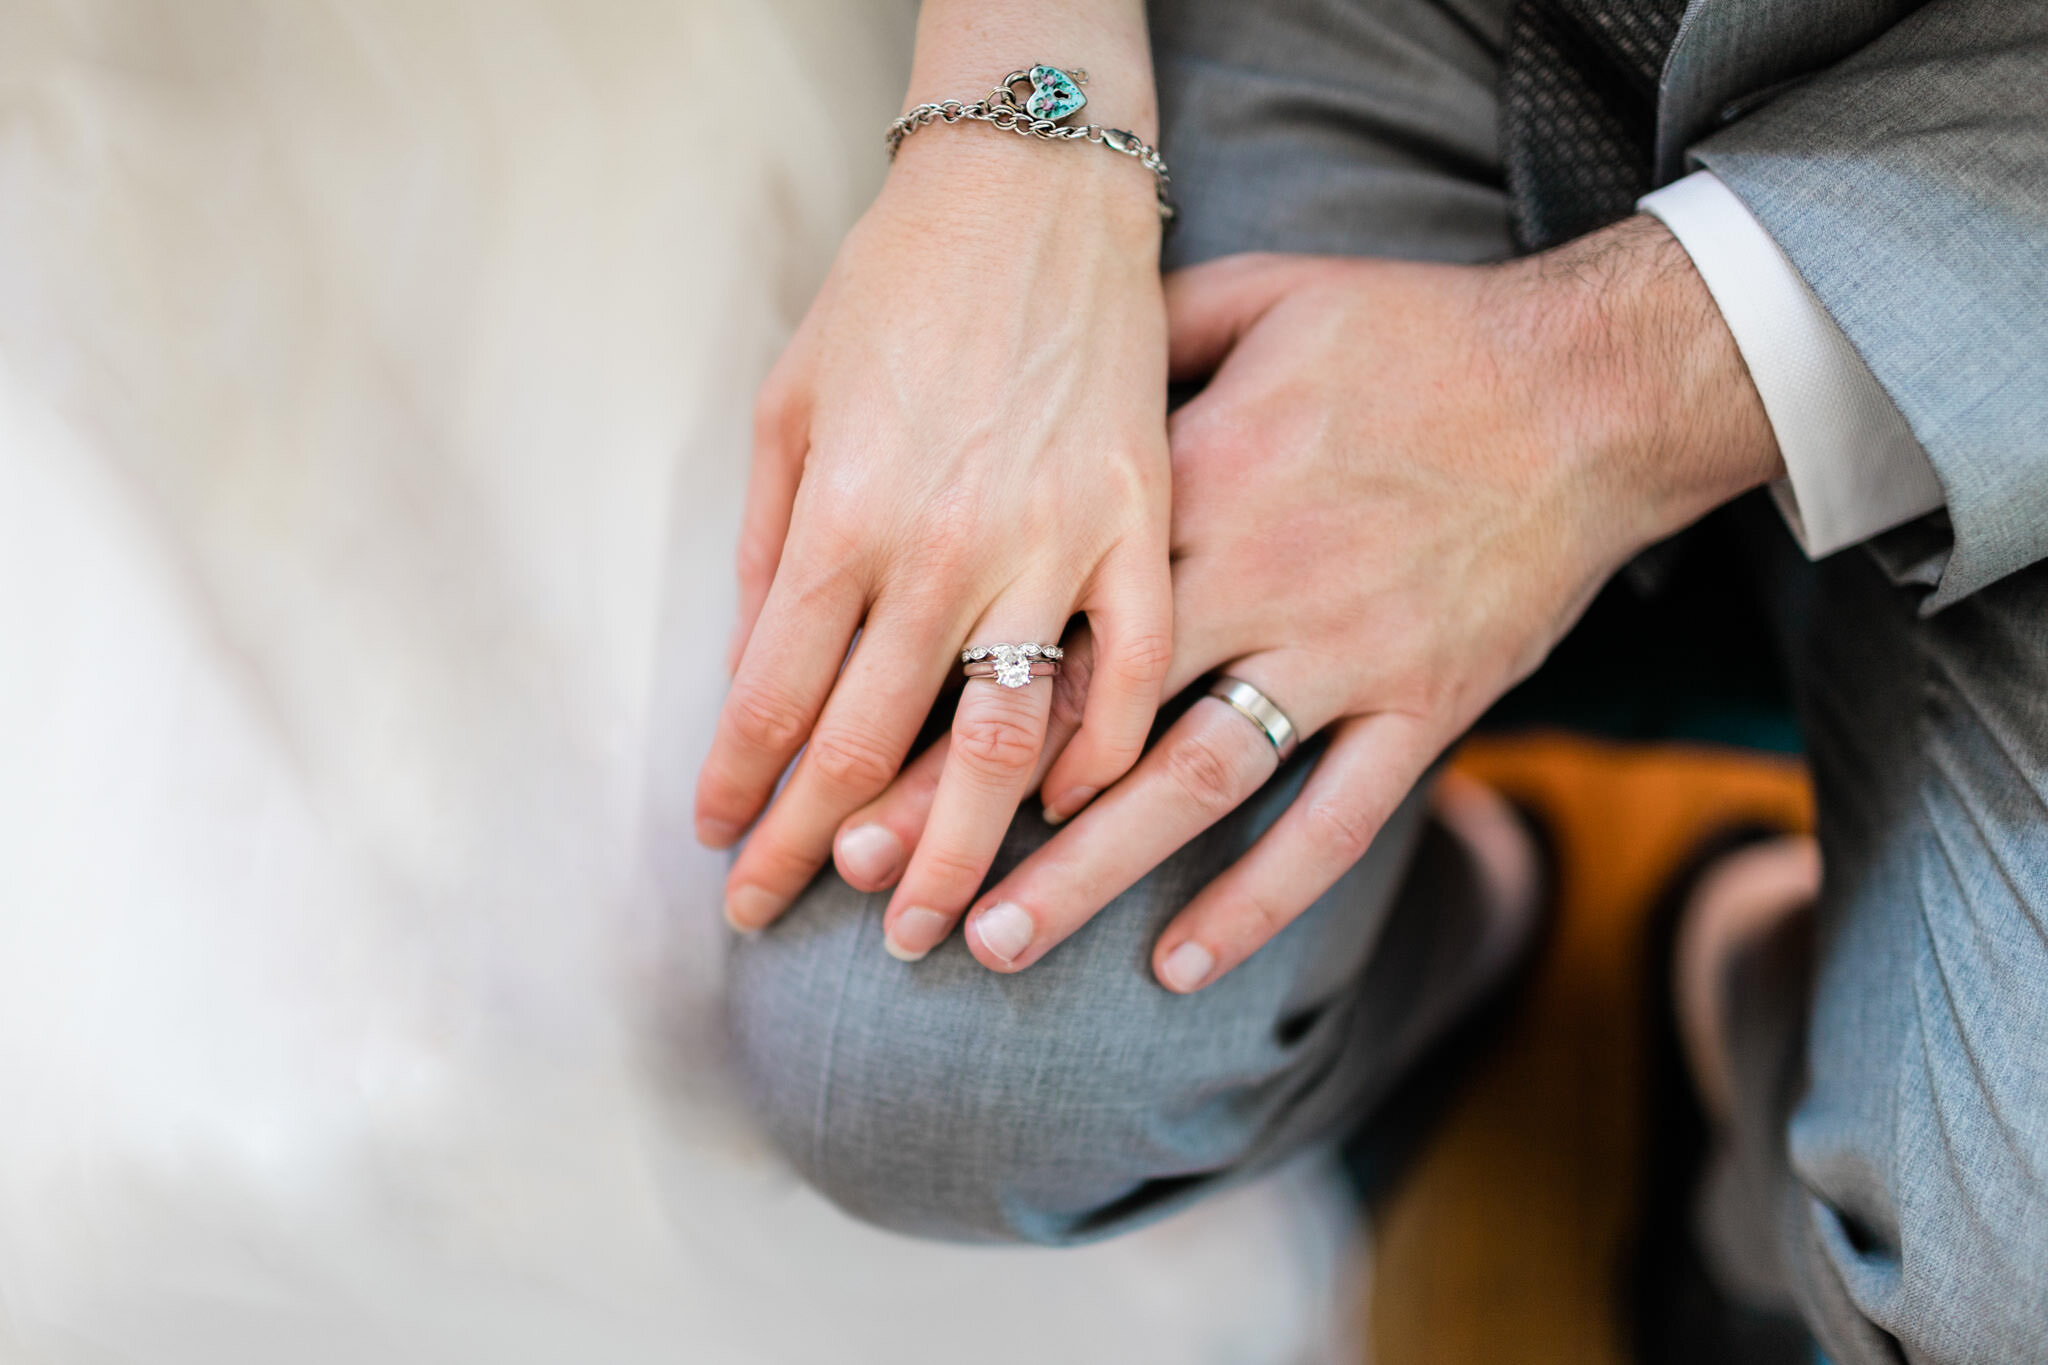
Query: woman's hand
pixel 965 443
pixel 1400 488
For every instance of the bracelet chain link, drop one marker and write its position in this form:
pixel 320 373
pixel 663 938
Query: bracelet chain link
pixel 1000 109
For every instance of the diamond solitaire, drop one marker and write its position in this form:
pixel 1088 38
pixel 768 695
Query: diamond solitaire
pixel 1012 668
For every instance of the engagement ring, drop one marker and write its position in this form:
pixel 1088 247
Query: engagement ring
pixel 1011 665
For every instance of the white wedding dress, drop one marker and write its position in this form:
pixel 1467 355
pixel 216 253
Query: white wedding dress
pixel 373 399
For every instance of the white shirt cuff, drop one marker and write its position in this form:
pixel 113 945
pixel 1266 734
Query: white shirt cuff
pixel 1853 466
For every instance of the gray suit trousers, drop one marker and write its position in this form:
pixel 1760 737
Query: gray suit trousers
pixel 1893 1153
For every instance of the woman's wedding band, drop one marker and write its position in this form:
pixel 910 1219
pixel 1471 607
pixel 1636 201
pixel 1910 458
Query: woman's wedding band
pixel 1011 665
pixel 1012 675
pixel 975 653
pixel 1256 707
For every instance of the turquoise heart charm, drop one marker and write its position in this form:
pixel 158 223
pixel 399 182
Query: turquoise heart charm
pixel 1054 94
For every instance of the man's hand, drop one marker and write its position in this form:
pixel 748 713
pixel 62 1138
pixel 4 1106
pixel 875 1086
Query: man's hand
pixel 1401 487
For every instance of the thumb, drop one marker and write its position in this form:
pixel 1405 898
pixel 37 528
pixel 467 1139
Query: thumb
pixel 1211 305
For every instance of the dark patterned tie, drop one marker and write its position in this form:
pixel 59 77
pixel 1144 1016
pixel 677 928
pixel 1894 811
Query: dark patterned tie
pixel 1579 111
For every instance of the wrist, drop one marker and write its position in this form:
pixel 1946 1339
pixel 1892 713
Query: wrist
pixel 1002 186
pixel 1639 376
pixel 1017 183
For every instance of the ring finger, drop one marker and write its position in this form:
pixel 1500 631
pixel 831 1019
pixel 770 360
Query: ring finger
pixel 1200 770
pixel 870 847
pixel 998 732
pixel 873 842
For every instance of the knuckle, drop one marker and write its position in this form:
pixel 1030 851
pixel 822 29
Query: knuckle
pixel 997 742
pixel 1200 770
pixel 776 865
pixel 1132 474
pixel 824 572
pixel 1259 917
pixel 832 534
pixel 767 720
pixel 1114 758
pixel 955 871
pixel 851 761
pixel 1141 660
pixel 1337 831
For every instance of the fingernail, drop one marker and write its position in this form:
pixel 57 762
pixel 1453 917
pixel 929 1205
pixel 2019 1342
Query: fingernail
pixel 716 833
pixel 1058 812
pixel 1187 967
pixel 916 932
pixel 749 908
pixel 1005 930
pixel 870 854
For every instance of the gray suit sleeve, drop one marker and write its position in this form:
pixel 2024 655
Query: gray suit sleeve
pixel 1909 186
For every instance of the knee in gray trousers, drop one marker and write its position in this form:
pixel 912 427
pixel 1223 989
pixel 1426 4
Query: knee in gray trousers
pixel 1078 1097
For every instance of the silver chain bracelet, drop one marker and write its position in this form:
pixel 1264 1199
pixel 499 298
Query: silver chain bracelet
pixel 1055 95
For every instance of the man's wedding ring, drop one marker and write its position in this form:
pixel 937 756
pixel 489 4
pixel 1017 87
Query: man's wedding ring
pixel 1011 665
pixel 1256 707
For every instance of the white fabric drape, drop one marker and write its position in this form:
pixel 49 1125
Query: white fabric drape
pixel 373 395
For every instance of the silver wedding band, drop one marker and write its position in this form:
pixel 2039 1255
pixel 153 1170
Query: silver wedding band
pixel 1256 707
